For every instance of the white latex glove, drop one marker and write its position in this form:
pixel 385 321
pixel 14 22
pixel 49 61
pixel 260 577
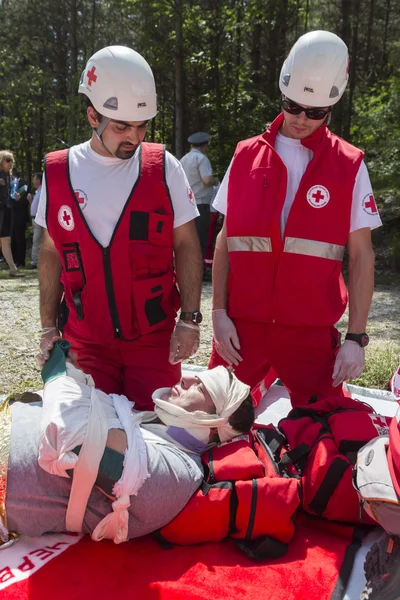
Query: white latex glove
pixel 185 341
pixel 48 338
pixel 225 336
pixel 349 362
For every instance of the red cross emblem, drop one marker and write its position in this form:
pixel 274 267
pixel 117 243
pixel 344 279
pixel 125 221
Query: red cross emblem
pixel 80 197
pixel 378 420
pixel 191 195
pixel 380 423
pixel 318 196
pixel 92 78
pixel 369 205
pixel 65 218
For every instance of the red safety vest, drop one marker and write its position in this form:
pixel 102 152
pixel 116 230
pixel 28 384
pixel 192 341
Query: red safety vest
pixel 244 494
pixel 128 288
pixel 327 435
pixel 297 280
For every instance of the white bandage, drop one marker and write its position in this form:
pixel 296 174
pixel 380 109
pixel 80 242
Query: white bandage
pixel 227 394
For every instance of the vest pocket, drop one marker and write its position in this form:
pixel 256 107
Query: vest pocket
pixel 155 302
pixel 153 227
pixel 74 279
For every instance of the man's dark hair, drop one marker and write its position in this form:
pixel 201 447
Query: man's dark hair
pixel 39 176
pixel 242 420
pixel 15 172
pixel 89 103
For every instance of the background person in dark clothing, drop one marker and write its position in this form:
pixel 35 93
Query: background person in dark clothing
pixel 19 217
pixel 6 162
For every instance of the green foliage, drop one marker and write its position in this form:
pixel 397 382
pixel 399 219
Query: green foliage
pixel 231 52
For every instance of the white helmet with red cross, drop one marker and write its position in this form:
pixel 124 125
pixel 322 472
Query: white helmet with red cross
pixel 120 84
pixel 316 71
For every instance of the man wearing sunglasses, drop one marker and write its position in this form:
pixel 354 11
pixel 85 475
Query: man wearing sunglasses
pixel 294 198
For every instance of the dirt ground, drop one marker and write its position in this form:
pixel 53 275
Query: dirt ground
pixel 20 326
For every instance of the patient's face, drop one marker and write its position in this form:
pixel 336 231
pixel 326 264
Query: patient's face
pixel 191 395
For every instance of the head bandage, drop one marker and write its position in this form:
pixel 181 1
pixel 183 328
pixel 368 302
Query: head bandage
pixel 227 394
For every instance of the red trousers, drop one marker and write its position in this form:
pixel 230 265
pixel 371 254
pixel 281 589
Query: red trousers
pixel 302 357
pixel 209 255
pixel 134 369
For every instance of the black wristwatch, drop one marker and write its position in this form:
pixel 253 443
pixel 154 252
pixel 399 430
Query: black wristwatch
pixel 194 317
pixel 362 339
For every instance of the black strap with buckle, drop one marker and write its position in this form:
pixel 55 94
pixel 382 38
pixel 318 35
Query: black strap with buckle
pixel 78 304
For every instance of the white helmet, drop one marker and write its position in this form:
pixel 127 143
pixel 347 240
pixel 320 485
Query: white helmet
pixel 120 84
pixel 316 71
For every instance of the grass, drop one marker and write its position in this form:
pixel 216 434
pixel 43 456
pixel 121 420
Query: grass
pixel 380 365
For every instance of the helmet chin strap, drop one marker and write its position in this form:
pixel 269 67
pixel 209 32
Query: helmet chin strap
pixel 99 132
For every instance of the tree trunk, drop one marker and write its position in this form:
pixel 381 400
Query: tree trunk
pixel 179 87
pixel 367 60
pixel 353 68
pixel 385 38
pixel 238 55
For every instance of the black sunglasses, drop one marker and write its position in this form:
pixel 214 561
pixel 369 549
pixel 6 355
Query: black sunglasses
pixel 315 114
pixel 8 160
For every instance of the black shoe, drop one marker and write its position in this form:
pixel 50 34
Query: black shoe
pixel 382 570
pixel 32 266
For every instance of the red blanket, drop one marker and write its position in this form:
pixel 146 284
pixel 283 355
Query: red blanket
pixel 316 567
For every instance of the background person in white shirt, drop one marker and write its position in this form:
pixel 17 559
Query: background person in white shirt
pixel 200 176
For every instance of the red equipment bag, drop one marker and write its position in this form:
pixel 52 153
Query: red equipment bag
pixel 332 430
pixel 244 495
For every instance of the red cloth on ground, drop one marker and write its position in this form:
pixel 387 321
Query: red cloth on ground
pixel 141 569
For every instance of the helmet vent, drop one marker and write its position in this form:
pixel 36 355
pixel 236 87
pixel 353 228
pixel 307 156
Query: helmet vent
pixel 111 103
pixel 286 79
pixel 334 92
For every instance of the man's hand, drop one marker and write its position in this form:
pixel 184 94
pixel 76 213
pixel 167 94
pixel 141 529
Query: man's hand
pixel 225 336
pixel 47 340
pixel 349 362
pixel 185 341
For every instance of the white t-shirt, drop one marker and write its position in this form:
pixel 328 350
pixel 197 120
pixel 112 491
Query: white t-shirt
pixel 103 184
pixel 196 166
pixel 296 157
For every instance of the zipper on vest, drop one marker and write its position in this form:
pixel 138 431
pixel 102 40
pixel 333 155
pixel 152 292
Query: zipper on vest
pixel 110 293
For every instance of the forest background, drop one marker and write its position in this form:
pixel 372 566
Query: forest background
pixel 216 65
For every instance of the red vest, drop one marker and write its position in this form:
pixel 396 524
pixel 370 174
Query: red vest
pixel 243 496
pixel 127 289
pixel 297 280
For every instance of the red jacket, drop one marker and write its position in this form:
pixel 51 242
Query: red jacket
pixel 297 280
pixel 127 289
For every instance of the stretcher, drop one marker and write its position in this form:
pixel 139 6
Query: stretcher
pixel 320 564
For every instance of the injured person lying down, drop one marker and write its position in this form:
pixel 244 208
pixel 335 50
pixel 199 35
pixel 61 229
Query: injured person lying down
pixel 84 461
